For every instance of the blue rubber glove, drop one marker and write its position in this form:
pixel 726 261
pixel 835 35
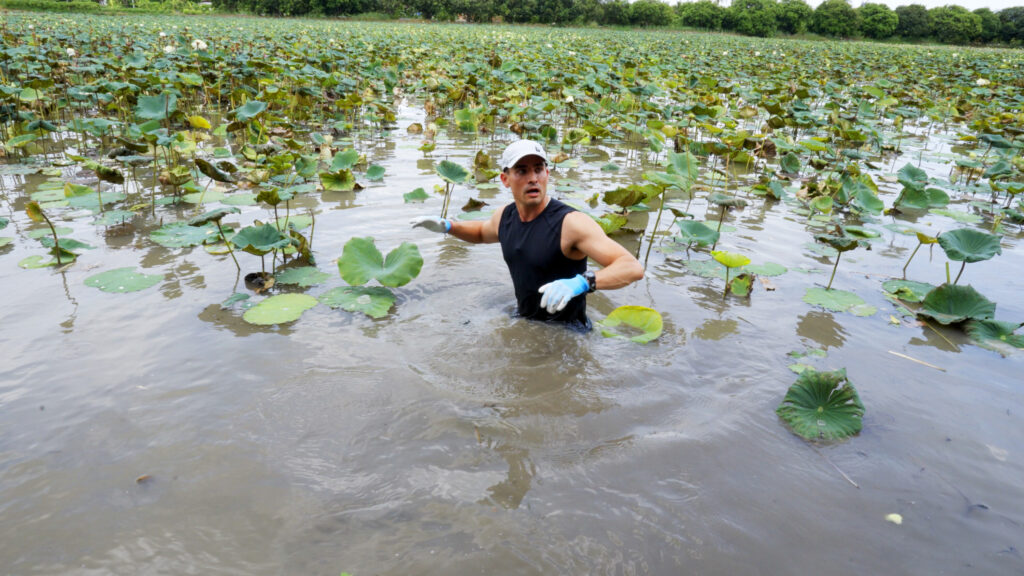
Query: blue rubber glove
pixel 432 223
pixel 558 293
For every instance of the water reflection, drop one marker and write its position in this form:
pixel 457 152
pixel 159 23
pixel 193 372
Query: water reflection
pixel 821 327
pixel 231 319
pixel 716 329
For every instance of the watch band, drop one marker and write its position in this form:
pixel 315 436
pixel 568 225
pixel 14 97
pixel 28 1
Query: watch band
pixel 591 280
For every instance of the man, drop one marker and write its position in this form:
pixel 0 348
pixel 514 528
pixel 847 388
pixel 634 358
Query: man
pixel 545 242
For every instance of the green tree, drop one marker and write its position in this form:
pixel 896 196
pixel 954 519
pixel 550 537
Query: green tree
pixel 954 24
pixel 1012 29
pixel 836 18
pixel 617 13
pixel 753 17
pixel 914 22
pixel 877 21
pixel 651 13
pixel 703 14
pixel 793 16
pixel 991 26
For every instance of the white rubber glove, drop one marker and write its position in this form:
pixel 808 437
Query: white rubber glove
pixel 432 223
pixel 558 293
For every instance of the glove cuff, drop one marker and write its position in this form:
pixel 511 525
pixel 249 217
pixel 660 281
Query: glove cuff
pixel 447 225
pixel 581 286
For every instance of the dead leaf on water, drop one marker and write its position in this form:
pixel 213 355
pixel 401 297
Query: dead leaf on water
pixel 894 518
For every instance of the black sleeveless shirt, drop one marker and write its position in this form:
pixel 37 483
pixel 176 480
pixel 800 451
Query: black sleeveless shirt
pixel 533 253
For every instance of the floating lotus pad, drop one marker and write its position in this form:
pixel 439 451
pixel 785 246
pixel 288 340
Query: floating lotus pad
pixel 838 301
pixel 374 301
pixel 822 406
pixel 907 290
pixel 181 235
pixel 693 232
pixel 624 321
pixel 258 240
pixel 766 269
pixel 952 303
pixel 121 280
pixel 375 173
pixel 995 335
pixel 304 276
pixel 279 309
pixel 417 195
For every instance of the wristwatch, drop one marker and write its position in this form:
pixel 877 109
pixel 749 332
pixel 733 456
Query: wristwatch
pixel 591 280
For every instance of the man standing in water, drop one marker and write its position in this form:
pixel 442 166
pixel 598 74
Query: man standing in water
pixel 545 243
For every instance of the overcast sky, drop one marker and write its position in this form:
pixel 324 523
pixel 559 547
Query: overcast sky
pixel 993 5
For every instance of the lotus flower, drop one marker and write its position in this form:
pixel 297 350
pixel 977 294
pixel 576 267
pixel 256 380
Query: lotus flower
pixel 71 52
pixel 168 49
pixel 198 44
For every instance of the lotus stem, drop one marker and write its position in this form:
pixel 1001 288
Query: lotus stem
pixel 654 231
pixel 947 273
pixel 912 254
pixel 228 244
pixel 829 287
pixel 962 266
pixel 725 293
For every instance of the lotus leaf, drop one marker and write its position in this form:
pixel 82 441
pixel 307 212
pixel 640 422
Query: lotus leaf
pixel 839 243
pixel 249 110
pixel 374 301
pixel 969 245
pixel 790 163
pixel 211 216
pixel 730 259
pixel 340 181
pixel 995 335
pixel 767 269
pixel 361 262
pixel 279 309
pixel 375 173
pixel 417 195
pixel 951 304
pixel 633 318
pixel 691 231
pixel 720 199
pixel 5 240
pixel 838 301
pixel 121 280
pixel 451 172
pixel 3 223
pixel 297 222
pixel 705 268
pixel 907 290
pixel 912 177
pixel 156 107
pixel 241 199
pixel 213 172
pixel 303 276
pixel 964 217
pixel 259 240
pixel 38 261
pixel 180 234
pixel 344 160
pixel 822 406
pixel 611 222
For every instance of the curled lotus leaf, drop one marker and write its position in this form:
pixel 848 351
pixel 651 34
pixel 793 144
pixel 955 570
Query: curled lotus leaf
pixel 953 303
pixel 212 216
pixel 730 259
pixel 259 240
pixel 840 243
pixel 451 172
pixel 907 290
pixel 969 245
pixel 720 199
pixel 693 232
pixel 995 335
pixel 213 171
pixel 637 323
pixel 822 406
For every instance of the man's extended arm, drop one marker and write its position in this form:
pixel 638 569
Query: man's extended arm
pixel 475 231
pixel 584 237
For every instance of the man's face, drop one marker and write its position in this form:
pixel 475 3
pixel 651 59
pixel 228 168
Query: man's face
pixel 528 181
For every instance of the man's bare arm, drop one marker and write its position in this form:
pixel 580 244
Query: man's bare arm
pixel 581 236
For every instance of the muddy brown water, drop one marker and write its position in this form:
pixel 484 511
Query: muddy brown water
pixel 157 433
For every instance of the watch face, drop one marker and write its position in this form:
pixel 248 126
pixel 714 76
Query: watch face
pixel 591 280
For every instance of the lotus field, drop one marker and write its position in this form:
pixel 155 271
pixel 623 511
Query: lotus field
pixel 268 168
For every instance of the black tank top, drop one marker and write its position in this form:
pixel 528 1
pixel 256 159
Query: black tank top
pixel 533 253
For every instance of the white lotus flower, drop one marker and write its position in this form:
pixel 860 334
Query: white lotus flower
pixel 168 49
pixel 71 52
pixel 982 82
pixel 198 44
pixel 163 34
pixel 757 53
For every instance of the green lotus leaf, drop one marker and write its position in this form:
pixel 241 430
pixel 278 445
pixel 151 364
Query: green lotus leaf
pixel 22 140
pixel 4 222
pixel 636 323
pixel 610 167
pixel 912 177
pixel 705 268
pixel 693 232
pixel 730 259
pixel 41 232
pixel 969 245
pixel 67 245
pixel 907 290
pixel 37 261
pixel 964 217
pixel 303 276
pixel 790 163
pixel 374 301
pixel 361 262
pixel 121 280
pixel 340 181
pixel 344 160
pixel 999 170
pixel 5 240
pixel 668 180
pixel 212 216
pixel 417 195
pixel 740 285
pixel 995 335
pixel 298 222
pixel 213 172
pixel 259 240
pixel 840 243
pixel 720 199
pixel 822 204
pixel 822 406
pixel 611 222
pixel 279 309
pixel 241 199
pixel 953 303
pixel 156 107
pixel 180 234
pixel 451 172
pixel 996 140
pixel 375 173
pixel 767 269
pixel 249 110
pixel 835 300
pixel 306 166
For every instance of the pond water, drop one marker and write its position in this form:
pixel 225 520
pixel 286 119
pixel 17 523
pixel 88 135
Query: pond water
pixel 157 432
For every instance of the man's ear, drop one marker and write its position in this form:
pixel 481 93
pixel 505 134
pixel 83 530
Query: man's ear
pixel 504 179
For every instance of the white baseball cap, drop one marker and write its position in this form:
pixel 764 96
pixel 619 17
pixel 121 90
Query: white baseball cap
pixel 520 149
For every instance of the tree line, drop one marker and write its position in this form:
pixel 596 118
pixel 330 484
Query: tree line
pixel 832 18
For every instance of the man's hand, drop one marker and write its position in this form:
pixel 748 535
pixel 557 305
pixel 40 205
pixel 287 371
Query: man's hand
pixel 432 223
pixel 558 293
